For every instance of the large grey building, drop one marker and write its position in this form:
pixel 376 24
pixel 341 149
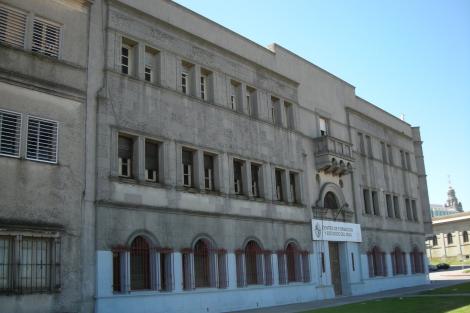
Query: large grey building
pixel 189 169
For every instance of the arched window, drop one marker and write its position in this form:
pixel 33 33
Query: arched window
pixel 450 240
pixel 434 240
pixel 253 263
pixel 398 261
pixel 140 264
pixel 465 236
pixel 293 263
pixel 330 201
pixel 377 265
pixel 202 264
pixel 416 260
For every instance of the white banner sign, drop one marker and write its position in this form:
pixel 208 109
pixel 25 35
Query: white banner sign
pixel 335 231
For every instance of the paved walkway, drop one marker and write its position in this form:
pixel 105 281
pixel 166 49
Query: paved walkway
pixel 438 280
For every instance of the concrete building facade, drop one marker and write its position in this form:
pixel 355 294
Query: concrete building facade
pixel 218 175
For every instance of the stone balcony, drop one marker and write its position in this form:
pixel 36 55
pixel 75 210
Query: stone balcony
pixel 333 156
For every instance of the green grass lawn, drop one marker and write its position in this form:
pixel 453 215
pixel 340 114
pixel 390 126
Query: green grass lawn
pixel 433 301
pixel 450 261
pixel 462 288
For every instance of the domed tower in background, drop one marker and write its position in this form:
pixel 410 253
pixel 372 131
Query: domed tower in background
pixel 452 201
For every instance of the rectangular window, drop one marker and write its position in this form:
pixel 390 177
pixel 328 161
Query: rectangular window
pixel 396 207
pixel 384 152
pixel 366 196
pixel 279 188
pixel 117 270
pixel 255 173
pixel 12 26
pixel 414 210
pixel 125 155
pixel 37 264
pixel 235 95
pixel 388 200
pixel 275 114
pixel 151 65
pixel 208 172
pixel 362 149
pixel 151 161
pixel 237 176
pixel 402 157
pixel 46 37
pixel 375 203
pixel 186 77
pixel 188 168
pixel 352 262
pixel 10 133
pixel 390 154
pixel 323 126
pixel 289 110
pixel 251 104
pixel 293 177
pixel 128 53
pixel 42 140
pixel 408 210
pixel 203 87
pixel 407 159
pixel 369 146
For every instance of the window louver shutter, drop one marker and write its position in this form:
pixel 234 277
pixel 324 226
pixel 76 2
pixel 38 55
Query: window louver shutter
pixel 42 140
pixel 12 27
pixel 46 38
pixel 10 128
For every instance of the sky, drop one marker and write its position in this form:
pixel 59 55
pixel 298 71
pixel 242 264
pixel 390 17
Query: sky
pixel 408 57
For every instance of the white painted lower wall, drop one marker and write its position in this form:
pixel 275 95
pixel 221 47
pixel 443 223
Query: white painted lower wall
pixel 233 298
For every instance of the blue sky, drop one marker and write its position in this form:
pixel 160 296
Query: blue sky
pixel 408 57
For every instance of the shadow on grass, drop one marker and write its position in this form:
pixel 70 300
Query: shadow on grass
pixel 437 304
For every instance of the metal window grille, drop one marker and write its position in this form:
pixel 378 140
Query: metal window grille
pixel 148 69
pixel 46 37
pixel 398 262
pixel 268 268
pixel 253 262
pixel 377 265
pixel 416 259
pixel 12 26
pixel 202 264
pixel 293 264
pixel 125 56
pixel 281 265
pixel 140 264
pixel 450 239
pixel 42 140
pixel 29 264
pixel 306 266
pixel 222 268
pixel 187 269
pixel 464 237
pixel 10 133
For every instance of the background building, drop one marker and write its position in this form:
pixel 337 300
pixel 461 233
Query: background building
pixel 450 240
pixel 195 170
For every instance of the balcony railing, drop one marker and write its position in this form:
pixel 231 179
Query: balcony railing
pixel 333 156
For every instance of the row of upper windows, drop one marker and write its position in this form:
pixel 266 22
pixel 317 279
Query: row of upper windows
pixel 41 137
pixel 372 205
pixel 199 82
pixel 201 170
pixel 15 28
pixel 366 148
